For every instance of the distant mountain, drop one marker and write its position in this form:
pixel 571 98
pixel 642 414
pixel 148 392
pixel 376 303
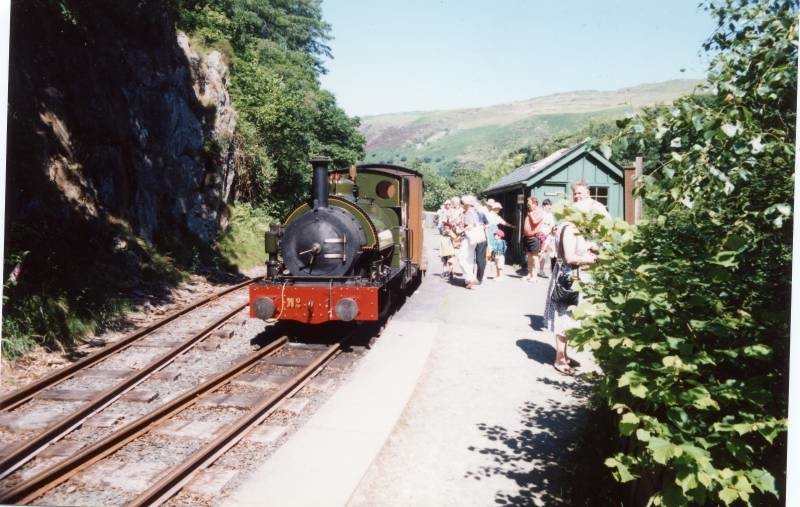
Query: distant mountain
pixel 475 136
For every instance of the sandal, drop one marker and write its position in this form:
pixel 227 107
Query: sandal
pixel 573 363
pixel 564 369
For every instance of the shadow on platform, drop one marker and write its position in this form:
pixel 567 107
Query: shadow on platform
pixel 536 456
pixel 540 352
pixel 537 322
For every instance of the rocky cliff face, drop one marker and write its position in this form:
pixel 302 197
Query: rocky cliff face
pixel 114 119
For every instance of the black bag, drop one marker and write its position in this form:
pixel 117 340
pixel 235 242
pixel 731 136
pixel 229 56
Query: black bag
pixel 563 293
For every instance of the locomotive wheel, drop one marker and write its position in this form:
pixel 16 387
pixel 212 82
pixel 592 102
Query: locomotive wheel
pixel 385 304
pixel 414 283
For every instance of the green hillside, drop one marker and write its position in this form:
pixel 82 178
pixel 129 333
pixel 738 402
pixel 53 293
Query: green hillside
pixel 473 137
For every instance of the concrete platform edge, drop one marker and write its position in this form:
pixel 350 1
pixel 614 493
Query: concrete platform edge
pixel 323 463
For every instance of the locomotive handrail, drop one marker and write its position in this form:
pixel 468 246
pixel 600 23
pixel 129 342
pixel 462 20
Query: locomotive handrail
pixel 410 241
pixel 316 278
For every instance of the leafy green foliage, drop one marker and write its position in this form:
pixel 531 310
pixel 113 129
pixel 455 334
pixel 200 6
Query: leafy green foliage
pixel 688 313
pixel 276 49
pixel 595 129
pixel 242 243
pixel 436 187
pixel 462 180
pixel 466 181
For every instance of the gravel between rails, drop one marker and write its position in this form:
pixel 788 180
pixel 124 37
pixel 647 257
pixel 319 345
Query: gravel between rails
pixel 191 368
pixel 150 309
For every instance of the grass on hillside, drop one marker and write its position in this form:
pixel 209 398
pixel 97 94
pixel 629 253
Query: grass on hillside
pixel 478 136
pixel 480 145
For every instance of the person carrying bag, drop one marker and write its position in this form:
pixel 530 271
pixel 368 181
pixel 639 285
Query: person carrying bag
pixel 572 252
pixel 563 293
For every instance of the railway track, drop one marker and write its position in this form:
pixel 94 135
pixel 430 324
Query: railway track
pixel 111 421
pixel 77 385
pixel 226 391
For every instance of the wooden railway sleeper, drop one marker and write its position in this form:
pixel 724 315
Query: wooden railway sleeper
pixel 28 449
pixel 16 398
pixel 172 483
pixel 46 480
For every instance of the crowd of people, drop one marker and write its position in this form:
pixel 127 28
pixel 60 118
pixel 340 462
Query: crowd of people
pixel 471 237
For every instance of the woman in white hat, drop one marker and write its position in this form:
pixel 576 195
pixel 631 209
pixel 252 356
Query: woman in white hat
pixel 494 214
pixel 473 232
pixel 495 220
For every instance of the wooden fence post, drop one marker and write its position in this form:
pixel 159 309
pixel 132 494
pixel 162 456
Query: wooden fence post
pixel 630 212
pixel 637 174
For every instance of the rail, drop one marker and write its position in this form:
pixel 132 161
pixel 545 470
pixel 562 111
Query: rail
pixel 16 398
pixel 48 479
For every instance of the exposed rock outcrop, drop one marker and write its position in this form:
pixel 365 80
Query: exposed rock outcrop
pixel 210 81
pixel 114 116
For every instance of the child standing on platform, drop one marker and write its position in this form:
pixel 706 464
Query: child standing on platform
pixel 447 250
pixel 499 252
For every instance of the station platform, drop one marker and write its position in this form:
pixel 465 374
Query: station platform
pixel 457 403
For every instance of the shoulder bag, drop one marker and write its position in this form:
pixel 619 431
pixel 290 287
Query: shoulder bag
pixel 563 293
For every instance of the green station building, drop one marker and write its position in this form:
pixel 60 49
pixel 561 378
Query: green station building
pixel 550 178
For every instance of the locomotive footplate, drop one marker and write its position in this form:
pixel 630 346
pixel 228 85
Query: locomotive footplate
pixel 314 304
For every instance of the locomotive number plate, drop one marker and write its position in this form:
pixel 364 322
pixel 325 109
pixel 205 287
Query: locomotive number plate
pixel 292 302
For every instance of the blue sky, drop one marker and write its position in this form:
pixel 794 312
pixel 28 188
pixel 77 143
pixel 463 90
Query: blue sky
pixel 412 55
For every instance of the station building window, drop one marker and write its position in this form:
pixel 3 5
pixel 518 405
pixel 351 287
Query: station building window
pixel 599 194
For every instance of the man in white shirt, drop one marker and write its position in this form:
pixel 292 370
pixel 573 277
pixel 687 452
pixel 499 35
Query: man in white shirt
pixel 583 201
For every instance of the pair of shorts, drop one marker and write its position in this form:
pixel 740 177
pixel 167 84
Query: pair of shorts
pixel 445 258
pixel 533 245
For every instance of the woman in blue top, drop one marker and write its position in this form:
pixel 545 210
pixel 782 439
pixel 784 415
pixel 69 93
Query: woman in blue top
pixel 499 252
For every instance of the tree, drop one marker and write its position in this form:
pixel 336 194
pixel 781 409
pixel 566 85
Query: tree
pixel 464 181
pixel 436 188
pixel 688 315
pixel 493 171
pixel 276 49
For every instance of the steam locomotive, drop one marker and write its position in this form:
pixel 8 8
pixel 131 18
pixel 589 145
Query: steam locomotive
pixel 346 253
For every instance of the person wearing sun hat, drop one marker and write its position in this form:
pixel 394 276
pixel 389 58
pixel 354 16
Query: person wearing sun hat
pixel 495 220
pixel 494 214
pixel 473 234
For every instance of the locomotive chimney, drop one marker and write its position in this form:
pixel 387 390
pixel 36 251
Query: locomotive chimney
pixel 319 183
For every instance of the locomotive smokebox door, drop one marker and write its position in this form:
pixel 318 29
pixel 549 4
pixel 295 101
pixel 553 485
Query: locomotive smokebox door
pixel 326 242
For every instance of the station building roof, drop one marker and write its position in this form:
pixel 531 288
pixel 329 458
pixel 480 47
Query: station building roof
pixel 524 174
